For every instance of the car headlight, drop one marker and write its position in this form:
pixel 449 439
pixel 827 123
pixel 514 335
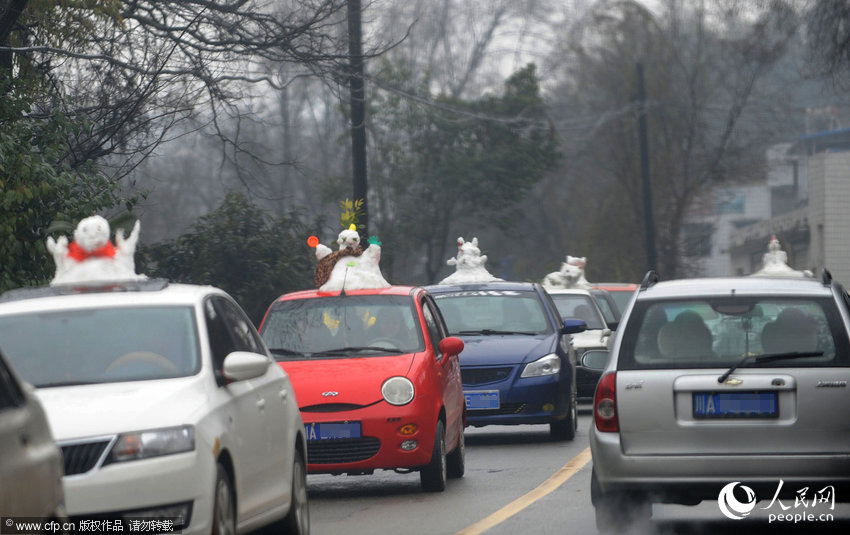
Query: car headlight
pixel 397 390
pixel 548 365
pixel 152 443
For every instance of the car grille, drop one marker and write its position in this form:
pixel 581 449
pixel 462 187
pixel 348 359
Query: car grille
pixel 506 408
pixel 332 407
pixel 342 450
pixel 480 376
pixel 80 458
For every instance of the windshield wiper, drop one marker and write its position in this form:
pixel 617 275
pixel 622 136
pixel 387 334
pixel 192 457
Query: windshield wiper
pixel 493 331
pixel 344 351
pixel 768 358
pixel 284 351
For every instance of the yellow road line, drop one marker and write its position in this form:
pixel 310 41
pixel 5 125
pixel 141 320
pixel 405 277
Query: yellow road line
pixel 555 480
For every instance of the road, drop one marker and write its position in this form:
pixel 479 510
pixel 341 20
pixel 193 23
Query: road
pixel 517 480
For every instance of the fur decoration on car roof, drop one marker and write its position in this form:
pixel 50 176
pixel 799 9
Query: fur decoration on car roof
pixel 91 257
pixel 469 264
pixel 571 275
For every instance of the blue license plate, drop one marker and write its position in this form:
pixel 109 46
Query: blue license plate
pixel 482 399
pixel 735 405
pixel 332 431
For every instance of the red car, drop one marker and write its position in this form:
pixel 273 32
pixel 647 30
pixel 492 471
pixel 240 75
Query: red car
pixel 377 380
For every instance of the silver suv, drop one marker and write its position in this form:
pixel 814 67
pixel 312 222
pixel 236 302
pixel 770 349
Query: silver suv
pixel 726 389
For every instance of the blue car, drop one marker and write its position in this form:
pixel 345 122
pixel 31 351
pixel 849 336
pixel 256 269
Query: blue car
pixel 517 366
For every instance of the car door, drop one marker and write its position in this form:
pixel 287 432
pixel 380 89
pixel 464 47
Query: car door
pixel 243 409
pixel 28 456
pixel 448 371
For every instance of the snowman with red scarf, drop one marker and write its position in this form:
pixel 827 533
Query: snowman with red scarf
pixel 92 257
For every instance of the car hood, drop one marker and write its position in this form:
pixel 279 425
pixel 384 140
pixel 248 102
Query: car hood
pixel 500 350
pixel 355 381
pixel 103 409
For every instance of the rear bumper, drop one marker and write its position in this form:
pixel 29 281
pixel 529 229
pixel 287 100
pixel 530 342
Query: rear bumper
pixel 692 478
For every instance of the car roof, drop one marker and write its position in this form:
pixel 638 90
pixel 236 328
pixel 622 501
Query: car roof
pixel 494 285
pixel 147 292
pixel 720 286
pixel 315 293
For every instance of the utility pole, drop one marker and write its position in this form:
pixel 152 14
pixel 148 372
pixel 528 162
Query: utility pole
pixel 358 109
pixel 649 221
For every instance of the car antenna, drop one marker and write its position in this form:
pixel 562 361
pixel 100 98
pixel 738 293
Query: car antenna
pixel 344 277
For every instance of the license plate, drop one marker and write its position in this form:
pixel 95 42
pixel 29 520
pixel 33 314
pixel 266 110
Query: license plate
pixel 482 399
pixel 735 405
pixel 332 431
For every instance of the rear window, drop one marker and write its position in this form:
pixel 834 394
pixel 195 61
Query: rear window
pixel 719 332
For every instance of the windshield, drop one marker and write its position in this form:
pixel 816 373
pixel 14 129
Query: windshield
pixel 101 345
pixel 578 306
pixel 334 327
pixel 493 312
pixel 740 331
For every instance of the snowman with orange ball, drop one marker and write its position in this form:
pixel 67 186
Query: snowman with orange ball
pixel 350 267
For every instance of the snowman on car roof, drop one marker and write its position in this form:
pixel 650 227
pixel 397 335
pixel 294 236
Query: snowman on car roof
pixel 775 263
pixel 92 257
pixel 571 275
pixel 350 267
pixel 469 264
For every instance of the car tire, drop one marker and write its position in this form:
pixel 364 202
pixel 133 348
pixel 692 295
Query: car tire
pixel 297 520
pixel 456 460
pixel 617 512
pixel 565 429
pixel 433 475
pixel 224 507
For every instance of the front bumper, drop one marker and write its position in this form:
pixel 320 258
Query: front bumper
pixel 532 400
pixel 135 486
pixel 380 444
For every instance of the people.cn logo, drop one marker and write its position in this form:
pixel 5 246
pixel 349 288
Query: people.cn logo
pixel 330 394
pixel 731 507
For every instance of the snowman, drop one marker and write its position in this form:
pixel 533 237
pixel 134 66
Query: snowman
pixel 91 257
pixel 775 263
pixel 571 275
pixel 350 267
pixel 469 264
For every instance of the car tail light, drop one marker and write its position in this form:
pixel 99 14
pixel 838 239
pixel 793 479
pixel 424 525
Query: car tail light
pixel 605 404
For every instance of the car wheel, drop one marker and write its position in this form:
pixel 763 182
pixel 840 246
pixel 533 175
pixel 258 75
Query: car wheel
pixel 297 521
pixel 565 429
pixel 617 512
pixel 433 475
pixel 224 509
pixel 456 460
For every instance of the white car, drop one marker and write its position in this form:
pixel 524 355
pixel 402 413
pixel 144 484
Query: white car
pixel 30 461
pixel 582 304
pixel 165 402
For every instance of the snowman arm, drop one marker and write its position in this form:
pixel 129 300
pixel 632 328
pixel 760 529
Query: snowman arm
pixel 451 261
pixel 127 245
pixel 322 251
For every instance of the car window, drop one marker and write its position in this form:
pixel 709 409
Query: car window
pixel 101 345
pixel 472 311
pixel 319 328
pixel 579 306
pixel 606 305
pixel 718 332
pixel 238 326
pixel 434 332
pixel 10 394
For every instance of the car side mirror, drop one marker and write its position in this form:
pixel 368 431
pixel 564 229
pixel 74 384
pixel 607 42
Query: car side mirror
pixel 595 359
pixel 241 365
pixel 573 326
pixel 450 345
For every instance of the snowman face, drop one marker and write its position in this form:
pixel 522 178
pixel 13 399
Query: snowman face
pixel 92 233
pixel 348 238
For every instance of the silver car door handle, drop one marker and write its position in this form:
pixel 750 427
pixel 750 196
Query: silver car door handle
pixel 283 394
pixel 261 403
